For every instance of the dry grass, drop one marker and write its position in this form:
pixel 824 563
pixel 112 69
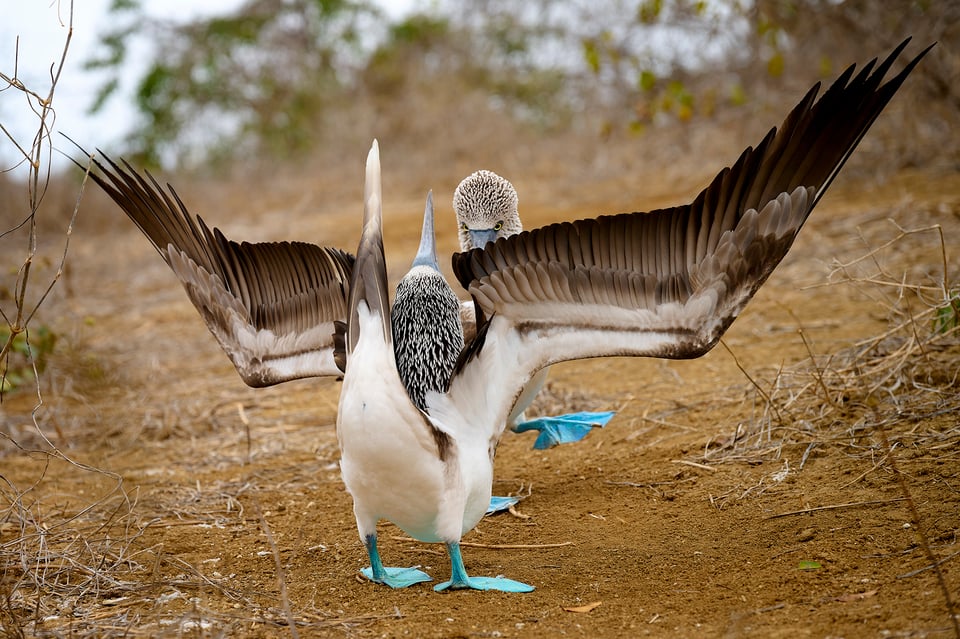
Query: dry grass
pixel 903 375
pixel 888 397
pixel 82 566
pixel 52 551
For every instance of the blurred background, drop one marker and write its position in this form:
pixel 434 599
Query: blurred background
pixel 585 87
pixel 266 108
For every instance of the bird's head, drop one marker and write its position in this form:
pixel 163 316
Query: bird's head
pixel 486 208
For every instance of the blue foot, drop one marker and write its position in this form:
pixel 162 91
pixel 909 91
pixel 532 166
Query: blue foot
pixel 499 504
pixel 393 577
pixel 485 583
pixel 397 577
pixel 460 580
pixel 564 429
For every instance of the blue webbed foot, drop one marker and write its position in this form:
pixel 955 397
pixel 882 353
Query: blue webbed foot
pixel 498 504
pixel 460 580
pixel 397 577
pixel 563 429
pixel 485 583
pixel 393 577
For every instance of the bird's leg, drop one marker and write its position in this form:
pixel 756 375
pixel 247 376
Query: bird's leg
pixel 563 429
pixel 393 577
pixel 460 580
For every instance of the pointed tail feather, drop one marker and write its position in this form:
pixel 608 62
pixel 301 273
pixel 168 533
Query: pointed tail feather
pixel 369 283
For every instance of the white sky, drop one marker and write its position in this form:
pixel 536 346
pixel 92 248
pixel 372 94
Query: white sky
pixel 42 29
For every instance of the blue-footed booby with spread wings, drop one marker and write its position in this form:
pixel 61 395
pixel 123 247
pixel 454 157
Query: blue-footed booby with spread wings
pixel 667 283
pixel 431 477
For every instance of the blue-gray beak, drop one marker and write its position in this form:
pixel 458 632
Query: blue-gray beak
pixel 480 237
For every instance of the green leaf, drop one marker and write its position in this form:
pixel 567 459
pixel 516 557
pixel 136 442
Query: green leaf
pixel 947 316
pixel 124 5
pixel 104 93
pixel 647 80
pixel 154 86
pixel 808 564
pixel 738 96
pixel 826 66
pixel 591 54
pixel 240 29
pixel 23 355
pixel 419 29
pixel 649 11
pixel 775 65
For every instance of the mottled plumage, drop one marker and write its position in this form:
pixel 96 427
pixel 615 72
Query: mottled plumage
pixel 427 331
pixel 486 207
pixel 427 334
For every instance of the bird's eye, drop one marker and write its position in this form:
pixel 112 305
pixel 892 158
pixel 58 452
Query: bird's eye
pixel 498 226
pixel 463 226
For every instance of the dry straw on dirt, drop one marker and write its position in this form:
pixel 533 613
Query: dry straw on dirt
pixel 80 565
pixel 905 374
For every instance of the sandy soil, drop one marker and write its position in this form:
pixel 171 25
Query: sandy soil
pixel 717 503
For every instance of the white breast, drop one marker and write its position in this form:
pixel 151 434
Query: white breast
pixel 390 460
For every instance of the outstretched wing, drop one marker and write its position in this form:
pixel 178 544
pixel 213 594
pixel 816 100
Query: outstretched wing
pixel 667 283
pixel 271 305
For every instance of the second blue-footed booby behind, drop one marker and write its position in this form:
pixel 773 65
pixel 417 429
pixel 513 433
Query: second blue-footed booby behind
pixel 667 283
pixel 486 208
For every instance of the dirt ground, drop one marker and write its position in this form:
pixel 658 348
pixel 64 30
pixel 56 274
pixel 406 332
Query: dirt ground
pixel 765 490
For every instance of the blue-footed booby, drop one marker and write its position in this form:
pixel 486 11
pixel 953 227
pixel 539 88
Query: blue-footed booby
pixel 486 208
pixel 431 477
pixel 667 283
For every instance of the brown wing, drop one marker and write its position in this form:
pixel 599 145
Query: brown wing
pixel 668 283
pixel 271 305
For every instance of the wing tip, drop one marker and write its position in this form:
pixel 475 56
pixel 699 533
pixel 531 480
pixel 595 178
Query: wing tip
pixel 372 192
pixel 368 282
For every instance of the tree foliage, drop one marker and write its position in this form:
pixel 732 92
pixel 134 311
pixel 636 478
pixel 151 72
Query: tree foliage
pixel 227 84
pixel 260 79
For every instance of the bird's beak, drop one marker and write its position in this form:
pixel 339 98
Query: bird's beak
pixel 427 253
pixel 480 237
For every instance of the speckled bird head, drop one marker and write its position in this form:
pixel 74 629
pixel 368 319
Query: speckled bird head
pixel 486 208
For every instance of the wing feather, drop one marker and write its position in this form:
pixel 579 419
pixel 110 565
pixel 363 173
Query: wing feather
pixel 270 305
pixel 668 283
